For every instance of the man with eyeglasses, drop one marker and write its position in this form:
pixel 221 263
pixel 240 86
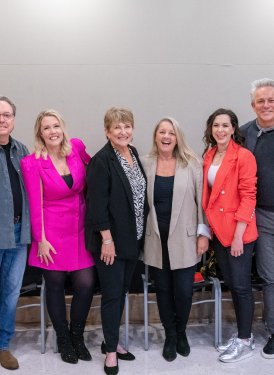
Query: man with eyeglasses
pixel 259 139
pixel 14 229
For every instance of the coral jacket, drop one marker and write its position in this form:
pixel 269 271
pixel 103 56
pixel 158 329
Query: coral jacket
pixel 233 195
pixel 63 209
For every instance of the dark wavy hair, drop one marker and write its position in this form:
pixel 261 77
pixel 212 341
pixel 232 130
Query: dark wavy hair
pixel 209 141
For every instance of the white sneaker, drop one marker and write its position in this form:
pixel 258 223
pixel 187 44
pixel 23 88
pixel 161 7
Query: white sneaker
pixel 223 348
pixel 238 350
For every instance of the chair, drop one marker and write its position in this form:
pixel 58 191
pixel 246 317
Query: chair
pixel 256 283
pixel 34 287
pixel 213 282
pixel 32 282
pixel 257 286
pixel 55 349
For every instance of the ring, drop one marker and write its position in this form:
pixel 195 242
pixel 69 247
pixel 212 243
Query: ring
pixel 40 255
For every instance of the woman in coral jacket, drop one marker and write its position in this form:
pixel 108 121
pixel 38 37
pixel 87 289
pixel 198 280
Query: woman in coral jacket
pixel 229 199
pixel 54 177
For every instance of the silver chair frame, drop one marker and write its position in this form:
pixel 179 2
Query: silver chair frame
pixel 43 315
pixel 216 299
pixel 42 306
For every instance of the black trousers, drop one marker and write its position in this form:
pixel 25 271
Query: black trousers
pixel 237 276
pixel 114 282
pixel 174 289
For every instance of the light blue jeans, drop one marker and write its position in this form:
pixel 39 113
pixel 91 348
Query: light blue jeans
pixel 12 267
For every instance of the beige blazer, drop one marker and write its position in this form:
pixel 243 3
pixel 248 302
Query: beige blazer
pixel 186 214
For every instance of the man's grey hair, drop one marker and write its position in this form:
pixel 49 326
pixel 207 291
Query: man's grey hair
pixel 263 82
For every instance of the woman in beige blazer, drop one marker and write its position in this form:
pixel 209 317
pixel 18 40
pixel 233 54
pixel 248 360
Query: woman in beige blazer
pixel 176 233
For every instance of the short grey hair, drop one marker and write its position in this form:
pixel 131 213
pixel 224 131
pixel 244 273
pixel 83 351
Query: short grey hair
pixel 7 100
pixel 263 82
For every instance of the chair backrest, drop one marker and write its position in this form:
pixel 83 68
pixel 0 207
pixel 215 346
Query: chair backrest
pixel 32 281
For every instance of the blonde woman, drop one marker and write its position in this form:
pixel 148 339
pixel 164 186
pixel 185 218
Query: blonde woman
pixel 176 233
pixel 54 176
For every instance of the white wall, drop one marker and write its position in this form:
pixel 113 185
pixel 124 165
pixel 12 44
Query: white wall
pixel 182 58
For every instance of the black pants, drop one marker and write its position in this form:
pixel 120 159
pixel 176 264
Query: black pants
pixel 174 289
pixel 83 283
pixel 237 276
pixel 114 282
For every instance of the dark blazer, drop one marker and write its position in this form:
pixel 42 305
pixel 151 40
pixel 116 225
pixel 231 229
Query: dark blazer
pixel 249 131
pixel 110 205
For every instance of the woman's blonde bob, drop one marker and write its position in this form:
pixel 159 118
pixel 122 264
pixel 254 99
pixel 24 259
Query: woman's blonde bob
pixel 182 152
pixel 40 148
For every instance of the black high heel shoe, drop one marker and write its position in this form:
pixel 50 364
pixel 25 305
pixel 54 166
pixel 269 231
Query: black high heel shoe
pixel 113 370
pixel 123 356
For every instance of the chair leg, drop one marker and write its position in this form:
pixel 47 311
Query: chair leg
pixel 216 290
pixel 126 322
pixel 42 317
pixel 55 348
pixel 146 313
pixel 220 321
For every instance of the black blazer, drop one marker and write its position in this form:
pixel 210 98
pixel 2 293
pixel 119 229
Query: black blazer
pixel 110 205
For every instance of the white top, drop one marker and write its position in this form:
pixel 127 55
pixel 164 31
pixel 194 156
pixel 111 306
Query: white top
pixel 213 169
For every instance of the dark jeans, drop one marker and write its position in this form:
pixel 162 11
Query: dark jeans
pixel 237 276
pixel 83 283
pixel 114 282
pixel 174 289
pixel 264 250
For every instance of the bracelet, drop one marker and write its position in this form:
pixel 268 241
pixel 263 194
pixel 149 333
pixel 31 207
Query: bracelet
pixel 107 242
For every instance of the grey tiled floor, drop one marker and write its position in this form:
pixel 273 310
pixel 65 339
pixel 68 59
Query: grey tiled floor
pixel 202 359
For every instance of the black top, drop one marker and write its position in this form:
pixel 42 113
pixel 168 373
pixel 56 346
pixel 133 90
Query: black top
pixel 14 182
pixel 163 193
pixel 264 155
pixel 68 180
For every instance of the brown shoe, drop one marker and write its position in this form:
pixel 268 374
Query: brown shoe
pixel 8 361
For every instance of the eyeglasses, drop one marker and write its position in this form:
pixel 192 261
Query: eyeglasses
pixel 7 116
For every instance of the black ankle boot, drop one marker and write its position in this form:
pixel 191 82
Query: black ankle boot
pixel 64 343
pixel 169 350
pixel 77 339
pixel 182 344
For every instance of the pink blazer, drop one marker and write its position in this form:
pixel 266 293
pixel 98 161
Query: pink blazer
pixel 233 195
pixel 63 209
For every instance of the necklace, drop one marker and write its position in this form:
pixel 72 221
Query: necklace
pixel 221 152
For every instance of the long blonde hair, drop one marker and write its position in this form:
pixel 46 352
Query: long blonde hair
pixel 40 148
pixel 182 151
